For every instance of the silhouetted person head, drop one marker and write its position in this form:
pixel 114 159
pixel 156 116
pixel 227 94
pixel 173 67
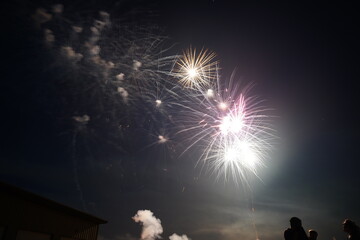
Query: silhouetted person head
pixel 295 223
pixel 296 231
pixel 351 229
pixel 313 234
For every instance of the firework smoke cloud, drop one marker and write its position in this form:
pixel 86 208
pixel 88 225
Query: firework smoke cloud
pixel 152 228
pixel 177 237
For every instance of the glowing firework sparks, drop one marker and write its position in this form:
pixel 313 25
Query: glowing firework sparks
pixel 196 70
pixel 234 121
pixel 239 146
pixel 222 106
pixel 238 156
pixel 162 139
pixel 128 72
pixel 210 93
pixel 234 129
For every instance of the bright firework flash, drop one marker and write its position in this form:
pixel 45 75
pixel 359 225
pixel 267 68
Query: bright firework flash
pixel 194 70
pixel 233 128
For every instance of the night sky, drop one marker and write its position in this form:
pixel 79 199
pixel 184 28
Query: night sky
pixel 301 56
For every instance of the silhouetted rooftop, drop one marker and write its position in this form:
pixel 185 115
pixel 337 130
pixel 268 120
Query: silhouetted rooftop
pixel 26 195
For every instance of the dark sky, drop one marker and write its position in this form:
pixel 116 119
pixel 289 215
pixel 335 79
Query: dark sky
pixel 301 57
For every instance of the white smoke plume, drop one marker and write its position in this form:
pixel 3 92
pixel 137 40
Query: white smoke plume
pixel 151 225
pixel 177 237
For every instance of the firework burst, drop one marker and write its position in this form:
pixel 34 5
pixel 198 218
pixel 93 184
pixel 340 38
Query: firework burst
pixel 196 70
pixel 119 76
pixel 233 128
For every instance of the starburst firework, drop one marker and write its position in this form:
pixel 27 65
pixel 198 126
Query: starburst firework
pixel 196 70
pixel 233 128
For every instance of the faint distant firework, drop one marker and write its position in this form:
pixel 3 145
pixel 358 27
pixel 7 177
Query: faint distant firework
pixel 108 68
pixel 108 75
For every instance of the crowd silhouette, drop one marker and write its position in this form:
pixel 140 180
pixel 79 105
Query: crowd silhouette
pixel 297 232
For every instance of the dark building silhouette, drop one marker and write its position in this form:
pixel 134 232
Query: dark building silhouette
pixel 27 216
